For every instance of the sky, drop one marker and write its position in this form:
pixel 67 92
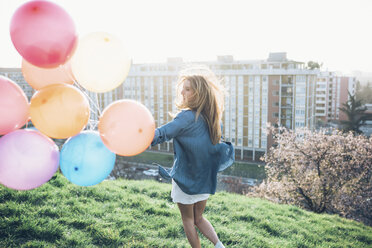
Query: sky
pixel 337 33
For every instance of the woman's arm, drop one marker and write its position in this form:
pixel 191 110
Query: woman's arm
pixel 173 128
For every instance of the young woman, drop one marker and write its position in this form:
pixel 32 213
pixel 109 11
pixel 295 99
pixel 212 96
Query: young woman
pixel 199 152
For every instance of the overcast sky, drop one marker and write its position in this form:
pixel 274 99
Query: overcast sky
pixel 335 32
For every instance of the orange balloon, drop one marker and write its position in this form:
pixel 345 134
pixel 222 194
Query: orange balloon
pixel 59 111
pixel 38 77
pixel 126 127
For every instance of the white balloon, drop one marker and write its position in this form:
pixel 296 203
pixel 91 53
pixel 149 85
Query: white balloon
pixel 101 62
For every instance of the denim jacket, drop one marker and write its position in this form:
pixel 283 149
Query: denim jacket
pixel 196 159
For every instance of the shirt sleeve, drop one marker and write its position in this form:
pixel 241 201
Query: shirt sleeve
pixel 172 129
pixel 227 156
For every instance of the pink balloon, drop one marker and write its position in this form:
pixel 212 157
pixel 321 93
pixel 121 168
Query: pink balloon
pixel 43 33
pixel 28 159
pixel 126 127
pixel 14 107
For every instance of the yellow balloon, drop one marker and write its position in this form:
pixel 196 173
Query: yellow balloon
pixel 101 62
pixel 126 127
pixel 59 111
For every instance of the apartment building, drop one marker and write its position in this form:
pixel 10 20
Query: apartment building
pixel 275 90
pixel 331 92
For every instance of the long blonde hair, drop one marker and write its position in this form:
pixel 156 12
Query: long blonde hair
pixel 207 100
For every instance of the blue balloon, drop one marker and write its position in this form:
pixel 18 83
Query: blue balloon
pixel 85 160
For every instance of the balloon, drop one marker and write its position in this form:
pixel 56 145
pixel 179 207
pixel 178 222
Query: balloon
pixel 43 33
pixel 14 107
pixel 38 77
pixel 126 127
pixel 100 63
pixel 85 160
pixel 28 159
pixel 59 111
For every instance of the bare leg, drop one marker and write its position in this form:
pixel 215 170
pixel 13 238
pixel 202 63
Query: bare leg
pixel 187 214
pixel 203 224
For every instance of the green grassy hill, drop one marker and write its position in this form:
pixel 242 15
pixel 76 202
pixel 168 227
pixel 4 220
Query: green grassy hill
pixel 125 213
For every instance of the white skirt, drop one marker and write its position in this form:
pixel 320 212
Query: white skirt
pixel 179 196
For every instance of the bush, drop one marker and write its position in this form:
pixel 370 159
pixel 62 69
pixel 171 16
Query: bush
pixel 320 171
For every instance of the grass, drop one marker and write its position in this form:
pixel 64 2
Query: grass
pixel 241 169
pixel 150 157
pixel 125 213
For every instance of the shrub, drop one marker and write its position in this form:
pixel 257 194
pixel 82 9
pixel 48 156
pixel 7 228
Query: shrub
pixel 320 171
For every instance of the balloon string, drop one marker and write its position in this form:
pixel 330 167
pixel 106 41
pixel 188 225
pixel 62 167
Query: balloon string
pixel 95 109
pixel 92 123
pixel 94 103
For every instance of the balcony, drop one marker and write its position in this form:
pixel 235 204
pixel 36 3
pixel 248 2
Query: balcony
pixel 286 106
pixel 285 94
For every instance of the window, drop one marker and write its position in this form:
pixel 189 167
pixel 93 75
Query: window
pixel 300 101
pixel 300 78
pixel 299 123
pixel 300 112
pixel 300 90
pixel 275 82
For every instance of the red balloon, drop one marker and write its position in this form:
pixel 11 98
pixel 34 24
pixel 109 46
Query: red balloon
pixel 43 33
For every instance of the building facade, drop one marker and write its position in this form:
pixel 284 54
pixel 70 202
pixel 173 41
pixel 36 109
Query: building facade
pixel 331 93
pixel 276 90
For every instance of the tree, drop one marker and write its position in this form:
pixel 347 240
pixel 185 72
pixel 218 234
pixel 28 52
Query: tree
pixel 320 171
pixel 357 88
pixel 355 113
pixel 314 65
pixel 364 93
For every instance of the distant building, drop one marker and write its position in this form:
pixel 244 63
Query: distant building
pixel 343 86
pixel 331 92
pixel 275 90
